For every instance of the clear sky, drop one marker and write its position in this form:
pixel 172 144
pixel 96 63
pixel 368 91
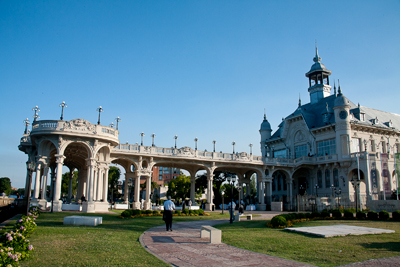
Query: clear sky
pixel 204 69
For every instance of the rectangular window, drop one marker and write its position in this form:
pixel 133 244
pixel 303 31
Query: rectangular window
pixel 166 170
pixel 336 178
pixel 355 145
pixel 280 154
pixel 319 178
pixel 372 145
pixel 326 147
pixel 344 139
pixel 327 179
pixel 383 147
pixel 160 171
pixel 160 177
pixel 300 151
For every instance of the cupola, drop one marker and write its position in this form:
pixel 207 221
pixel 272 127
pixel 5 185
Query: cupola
pixel 318 78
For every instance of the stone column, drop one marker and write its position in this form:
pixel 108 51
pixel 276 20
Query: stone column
pixel 71 174
pixel 269 191
pixel 105 185
pixel 147 203
pixel 209 204
pixel 289 192
pixel 261 203
pixel 136 203
pixel 57 204
pixel 52 177
pixel 89 205
pixel 193 187
pixel 95 180
pixel 37 183
pixel 126 187
pixel 100 179
pixel 44 183
pixel 28 181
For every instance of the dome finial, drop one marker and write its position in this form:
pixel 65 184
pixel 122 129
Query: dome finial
pixel 316 58
pixel 265 115
pixel 339 90
pixel 334 88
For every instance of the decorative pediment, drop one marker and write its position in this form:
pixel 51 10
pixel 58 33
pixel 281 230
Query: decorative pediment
pixel 185 151
pixel 78 125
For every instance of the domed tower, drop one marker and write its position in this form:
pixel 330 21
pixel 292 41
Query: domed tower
pixel 318 77
pixel 265 132
pixel 342 118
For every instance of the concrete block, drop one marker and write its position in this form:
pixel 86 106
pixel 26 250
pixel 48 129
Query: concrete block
pixel 83 220
pixel 210 232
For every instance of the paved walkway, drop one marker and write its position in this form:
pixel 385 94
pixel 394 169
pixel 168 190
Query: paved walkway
pixel 184 247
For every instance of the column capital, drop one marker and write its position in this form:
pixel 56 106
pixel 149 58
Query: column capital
pixel 60 158
pixel 91 162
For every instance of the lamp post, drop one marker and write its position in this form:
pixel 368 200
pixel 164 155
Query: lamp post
pixel 214 142
pixel 100 110
pixel 231 181
pixel 152 142
pixel 31 168
pixel 356 185
pixel 195 143
pixel 316 190
pixel 338 192
pixel 26 122
pixel 36 116
pixel 117 119
pixel 141 136
pixel 332 187
pixel 233 144
pixel 251 149
pixel 175 137
pixel 62 105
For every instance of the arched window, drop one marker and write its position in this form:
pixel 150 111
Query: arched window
pixel 319 178
pixel 327 178
pixel 335 178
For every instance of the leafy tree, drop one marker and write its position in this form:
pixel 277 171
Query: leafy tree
pixel 179 187
pixel 113 176
pixel 5 185
pixel 65 183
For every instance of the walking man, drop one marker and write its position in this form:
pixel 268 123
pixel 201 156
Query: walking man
pixel 169 207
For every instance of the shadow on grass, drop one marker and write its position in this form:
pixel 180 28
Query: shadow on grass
pixel 389 246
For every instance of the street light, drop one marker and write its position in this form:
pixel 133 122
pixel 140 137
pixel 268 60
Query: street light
pixel 142 134
pixel 62 105
pixel 31 168
pixel 222 194
pixel 175 137
pixel 233 144
pixel 338 192
pixel 356 185
pixel 36 116
pixel 316 190
pixel 231 181
pixel 99 109
pixel 195 143
pixel 153 136
pixel 26 122
pixel 118 119
pixel 332 187
pixel 251 149
pixel 214 142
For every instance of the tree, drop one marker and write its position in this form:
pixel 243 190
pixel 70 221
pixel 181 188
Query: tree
pixel 5 185
pixel 65 183
pixel 113 176
pixel 179 187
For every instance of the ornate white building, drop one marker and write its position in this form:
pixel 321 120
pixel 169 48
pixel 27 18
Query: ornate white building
pixel 325 144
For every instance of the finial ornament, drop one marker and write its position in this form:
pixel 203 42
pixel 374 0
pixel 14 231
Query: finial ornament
pixel 299 101
pixel 334 88
pixel 316 58
pixel 36 116
pixel 339 90
pixel 117 119
pixel 265 115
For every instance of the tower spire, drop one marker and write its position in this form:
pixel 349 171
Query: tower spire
pixel 265 115
pixel 339 90
pixel 299 101
pixel 334 88
pixel 316 58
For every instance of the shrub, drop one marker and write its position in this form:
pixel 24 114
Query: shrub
pixel 148 212
pixel 384 215
pixel 185 211
pixel 26 225
pixel 201 212
pixel 361 215
pixel 279 221
pixel 396 215
pixel 372 215
pixel 336 214
pixel 352 210
pixel 315 214
pixel 178 212
pixel 126 214
pixel 191 212
pixel 325 214
pixel 348 215
pixel 18 242
pixel 303 215
pixel 136 212
pixel 308 215
pixel 156 212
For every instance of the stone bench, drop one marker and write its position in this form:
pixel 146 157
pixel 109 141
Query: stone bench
pixel 248 216
pixel 210 232
pixel 83 220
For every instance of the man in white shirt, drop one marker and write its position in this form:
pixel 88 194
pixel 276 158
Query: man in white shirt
pixel 233 209
pixel 169 207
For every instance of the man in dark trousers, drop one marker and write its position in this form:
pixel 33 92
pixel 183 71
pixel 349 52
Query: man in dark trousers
pixel 169 207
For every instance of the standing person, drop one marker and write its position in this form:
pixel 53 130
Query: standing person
pixel 169 207
pixel 232 203
pixel 190 204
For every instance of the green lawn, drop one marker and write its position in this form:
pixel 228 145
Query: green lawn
pixel 113 243
pixel 318 251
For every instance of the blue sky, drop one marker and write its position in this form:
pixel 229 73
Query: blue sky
pixel 204 69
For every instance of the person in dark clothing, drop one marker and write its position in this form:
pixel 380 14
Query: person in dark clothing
pixel 169 207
